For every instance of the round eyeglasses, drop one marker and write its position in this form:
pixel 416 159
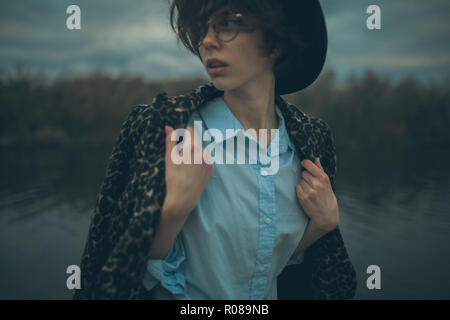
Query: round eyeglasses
pixel 226 27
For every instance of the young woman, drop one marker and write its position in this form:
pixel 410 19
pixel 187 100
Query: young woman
pixel 167 230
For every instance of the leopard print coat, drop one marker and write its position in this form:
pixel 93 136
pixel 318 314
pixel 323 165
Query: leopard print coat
pixel 131 197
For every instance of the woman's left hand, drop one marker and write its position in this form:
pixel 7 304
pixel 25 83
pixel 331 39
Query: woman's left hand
pixel 316 196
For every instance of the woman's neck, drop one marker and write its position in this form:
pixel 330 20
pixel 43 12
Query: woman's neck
pixel 254 105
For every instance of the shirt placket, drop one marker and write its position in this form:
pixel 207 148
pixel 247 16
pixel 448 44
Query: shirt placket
pixel 266 233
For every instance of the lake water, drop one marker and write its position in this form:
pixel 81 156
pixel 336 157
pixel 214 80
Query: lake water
pixel 394 213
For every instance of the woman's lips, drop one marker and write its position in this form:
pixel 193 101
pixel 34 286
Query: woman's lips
pixel 216 70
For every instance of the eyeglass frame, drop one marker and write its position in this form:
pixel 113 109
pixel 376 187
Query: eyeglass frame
pixel 208 23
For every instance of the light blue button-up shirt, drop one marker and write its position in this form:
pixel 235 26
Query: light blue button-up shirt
pixel 245 228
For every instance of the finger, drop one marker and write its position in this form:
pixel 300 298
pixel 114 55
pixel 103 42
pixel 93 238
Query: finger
pixel 306 187
pixel 299 190
pixel 169 143
pixel 318 163
pixel 308 178
pixel 195 145
pixel 188 134
pixel 185 141
pixel 191 139
pixel 312 168
pixel 172 148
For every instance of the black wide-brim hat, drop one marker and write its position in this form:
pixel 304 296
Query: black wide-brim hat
pixel 307 17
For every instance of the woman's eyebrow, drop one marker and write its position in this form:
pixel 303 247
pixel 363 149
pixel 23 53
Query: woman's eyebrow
pixel 222 12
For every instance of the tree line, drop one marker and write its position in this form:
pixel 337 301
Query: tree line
pixel 364 112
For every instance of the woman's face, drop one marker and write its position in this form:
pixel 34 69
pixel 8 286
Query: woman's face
pixel 245 63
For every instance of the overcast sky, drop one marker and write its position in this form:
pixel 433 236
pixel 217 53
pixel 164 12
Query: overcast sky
pixel 134 37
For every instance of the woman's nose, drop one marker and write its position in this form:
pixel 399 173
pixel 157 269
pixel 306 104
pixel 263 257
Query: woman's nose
pixel 210 39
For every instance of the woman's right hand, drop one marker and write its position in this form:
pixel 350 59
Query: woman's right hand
pixel 185 182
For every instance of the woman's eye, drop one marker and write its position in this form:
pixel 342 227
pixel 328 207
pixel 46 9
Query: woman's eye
pixel 228 23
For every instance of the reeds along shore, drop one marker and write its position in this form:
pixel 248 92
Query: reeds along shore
pixel 365 112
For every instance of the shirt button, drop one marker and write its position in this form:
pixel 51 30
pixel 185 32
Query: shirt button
pixel 268 220
pixel 261 269
pixel 264 173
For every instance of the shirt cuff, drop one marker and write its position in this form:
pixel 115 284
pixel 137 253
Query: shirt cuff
pixel 168 271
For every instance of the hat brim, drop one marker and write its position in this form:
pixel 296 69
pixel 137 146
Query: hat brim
pixel 307 17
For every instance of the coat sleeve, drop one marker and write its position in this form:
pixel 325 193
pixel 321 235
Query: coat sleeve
pixel 327 272
pixel 105 216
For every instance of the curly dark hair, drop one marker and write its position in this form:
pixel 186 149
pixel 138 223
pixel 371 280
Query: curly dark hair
pixel 188 19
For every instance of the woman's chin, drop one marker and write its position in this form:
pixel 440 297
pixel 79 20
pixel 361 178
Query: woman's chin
pixel 222 85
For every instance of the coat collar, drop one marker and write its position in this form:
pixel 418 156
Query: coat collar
pixel 298 125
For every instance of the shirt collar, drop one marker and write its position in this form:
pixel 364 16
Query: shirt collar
pixel 217 115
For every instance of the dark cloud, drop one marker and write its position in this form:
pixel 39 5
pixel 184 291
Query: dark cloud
pixel 135 37
pixel 413 38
